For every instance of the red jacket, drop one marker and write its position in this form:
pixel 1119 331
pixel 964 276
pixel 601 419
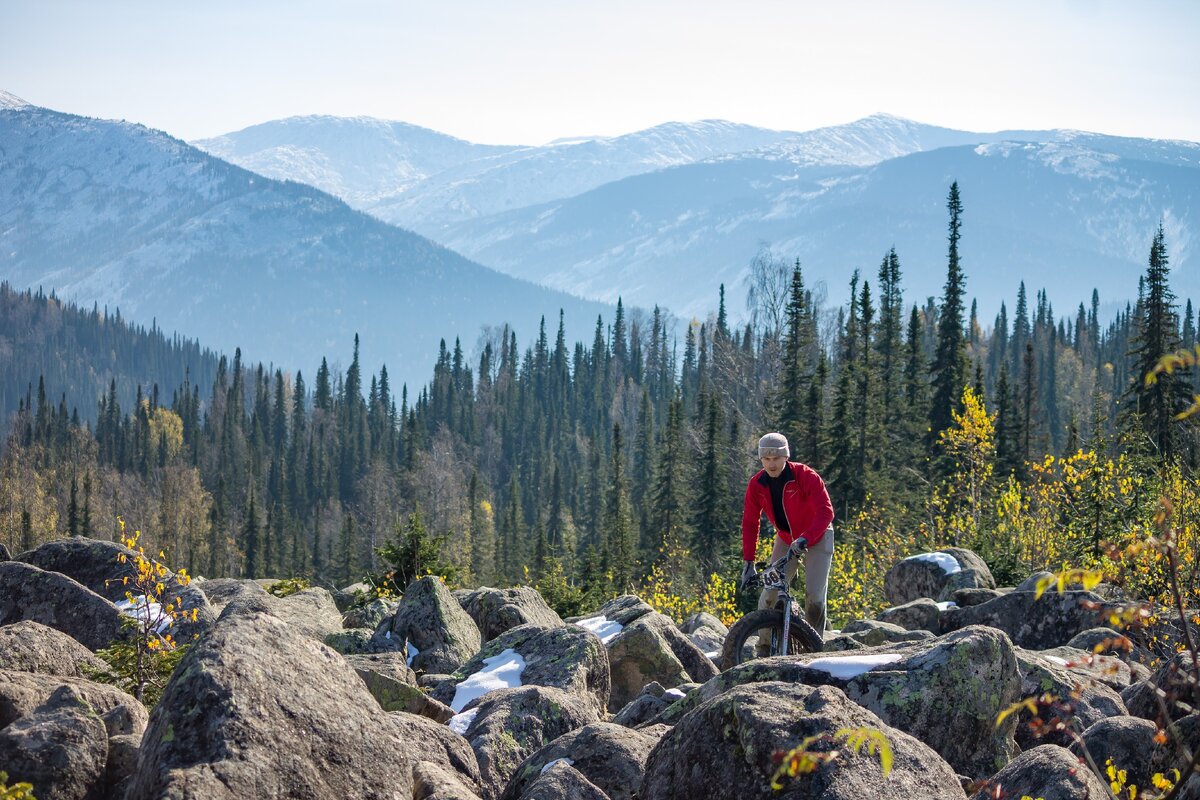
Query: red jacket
pixel 805 502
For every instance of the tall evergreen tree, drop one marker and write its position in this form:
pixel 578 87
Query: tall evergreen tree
pixel 950 366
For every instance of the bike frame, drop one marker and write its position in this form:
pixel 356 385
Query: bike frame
pixel 775 577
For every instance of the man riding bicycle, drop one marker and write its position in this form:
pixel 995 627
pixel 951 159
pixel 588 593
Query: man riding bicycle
pixel 794 498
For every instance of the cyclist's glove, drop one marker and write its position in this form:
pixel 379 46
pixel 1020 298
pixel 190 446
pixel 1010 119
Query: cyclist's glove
pixel 749 575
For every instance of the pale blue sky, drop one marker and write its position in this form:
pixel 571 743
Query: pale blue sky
pixel 528 71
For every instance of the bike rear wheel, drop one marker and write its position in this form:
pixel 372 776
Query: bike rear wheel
pixel 802 637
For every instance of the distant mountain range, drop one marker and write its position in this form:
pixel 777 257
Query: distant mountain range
pixel 664 215
pixel 128 217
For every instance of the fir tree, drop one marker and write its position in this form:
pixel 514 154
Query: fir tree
pixel 949 365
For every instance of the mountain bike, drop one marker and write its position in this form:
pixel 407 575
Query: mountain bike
pixel 787 627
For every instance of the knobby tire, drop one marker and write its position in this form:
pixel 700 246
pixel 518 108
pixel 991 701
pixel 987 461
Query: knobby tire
pixel 803 637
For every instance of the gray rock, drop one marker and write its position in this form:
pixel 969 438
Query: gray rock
pixel 394 686
pixel 1127 741
pixel 872 633
pixel 916 577
pixel 1035 624
pixel 257 708
pixel 96 564
pixel 30 646
pixel 512 724
pixel 724 749
pixel 1030 583
pixel 641 710
pixel 1110 643
pixel 311 611
pixel 1165 690
pixel 1048 772
pixel 922 614
pixel 221 591
pixel 56 601
pixel 1079 699
pixel 431 620
pixel 61 748
pixel 498 610
pixel 5 555
pixel 650 648
pixel 1112 672
pixel 429 742
pixel 433 781
pixel 610 756
pixel 122 763
pixel 973 597
pixel 701 620
pixel 563 782
pixel 355 641
pixel 567 657
pixel 21 693
pixel 370 615
pixel 624 609
pixel 947 692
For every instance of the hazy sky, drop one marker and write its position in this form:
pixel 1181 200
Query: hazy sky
pixel 529 71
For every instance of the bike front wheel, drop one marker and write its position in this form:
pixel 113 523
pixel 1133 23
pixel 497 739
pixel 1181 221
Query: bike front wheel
pixel 802 637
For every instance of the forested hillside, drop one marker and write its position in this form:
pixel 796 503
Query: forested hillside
pixel 590 467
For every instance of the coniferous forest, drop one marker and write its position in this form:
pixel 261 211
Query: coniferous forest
pixel 591 468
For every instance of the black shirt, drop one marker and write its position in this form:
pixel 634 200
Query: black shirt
pixel 776 486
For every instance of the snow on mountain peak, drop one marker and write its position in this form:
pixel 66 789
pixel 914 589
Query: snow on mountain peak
pixel 11 101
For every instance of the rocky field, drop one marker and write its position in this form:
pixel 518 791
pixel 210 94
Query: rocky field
pixel 487 694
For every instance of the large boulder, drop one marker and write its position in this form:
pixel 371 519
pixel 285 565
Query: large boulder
pixel 432 622
pixel 498 610
pixel 221 591
pixel 727 746
pixel 610 756
pixel 509 725
pixel 61 747
pixel 947 692
pixel 432 781
pixel 98 565
pixel 56 601
pixel 624 609
pixel 872 633
pixel 371 614
pixel 259 709
pixel 706 632
pixel 651 648
pixel 1031 622
pixel 562 782
pixel 394 685
pixel 1166 690
pixel 1077 697
pixel 21 693
pixel 1128 742
pixel 566 657
pixel 30 646
pixel 921 614
pixel 311 611
pixel 1048 772
pixel 645 707
pixel 936 575
pixel 429 742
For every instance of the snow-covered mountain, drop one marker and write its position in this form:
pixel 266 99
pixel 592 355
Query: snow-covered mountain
pixel 422 180
pixel 362 160
pixel 1067 213
pixel 128 217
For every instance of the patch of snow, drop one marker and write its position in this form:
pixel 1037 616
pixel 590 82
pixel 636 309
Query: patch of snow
pixel 9 100
pixel 602 626
pixel 846 667
pixel 714 655
pixel 946 561
pixel 946 605
pixel 412 651
pixel 675 693
pixel 566 761
pixel 460 722
pixel 501 672
pixel 1056 660
pixel 143 609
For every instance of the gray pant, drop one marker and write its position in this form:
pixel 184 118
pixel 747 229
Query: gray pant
pixel 817 563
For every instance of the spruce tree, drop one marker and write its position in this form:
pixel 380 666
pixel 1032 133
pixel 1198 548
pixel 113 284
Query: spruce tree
pixel 1156 404
pixel 949 367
